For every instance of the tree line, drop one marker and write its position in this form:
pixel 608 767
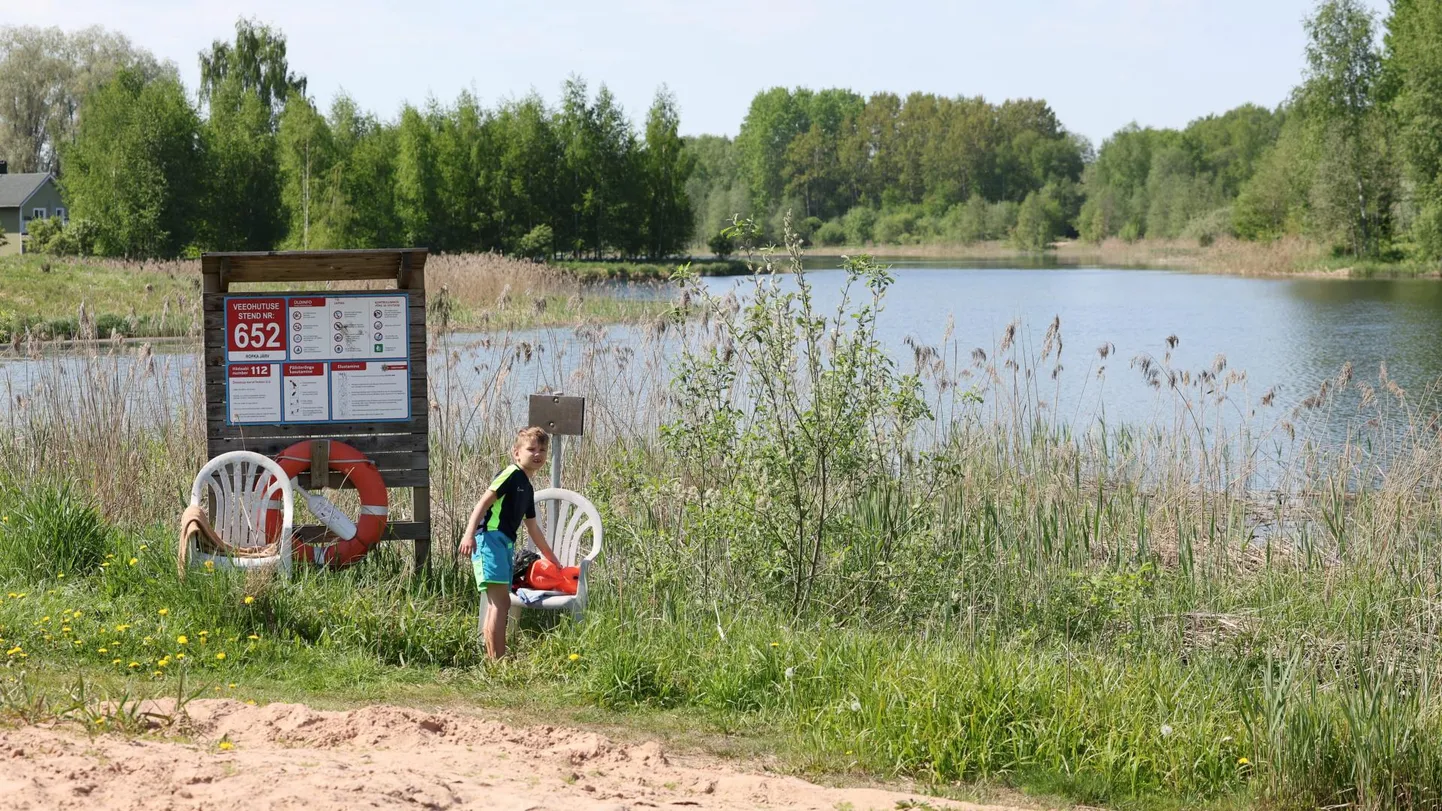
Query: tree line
pixel 251 163
pixel 1352 159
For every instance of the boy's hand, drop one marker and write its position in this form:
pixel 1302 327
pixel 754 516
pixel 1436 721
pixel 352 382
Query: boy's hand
pixel 467 547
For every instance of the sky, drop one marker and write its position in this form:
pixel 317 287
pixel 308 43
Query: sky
pixel 1100 63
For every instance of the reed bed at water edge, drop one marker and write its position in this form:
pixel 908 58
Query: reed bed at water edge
pixel 918 566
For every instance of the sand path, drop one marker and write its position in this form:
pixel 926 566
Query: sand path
pixel 288 756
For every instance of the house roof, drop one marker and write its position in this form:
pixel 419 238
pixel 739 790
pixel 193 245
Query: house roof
pixel 16 189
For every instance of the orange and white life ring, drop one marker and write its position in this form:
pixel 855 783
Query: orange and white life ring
pixel 370 525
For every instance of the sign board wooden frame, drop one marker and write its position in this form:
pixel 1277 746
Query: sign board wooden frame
pixel 400 450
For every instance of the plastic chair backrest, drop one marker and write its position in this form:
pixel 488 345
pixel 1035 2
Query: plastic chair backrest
pixel 576 518
pixel 243 486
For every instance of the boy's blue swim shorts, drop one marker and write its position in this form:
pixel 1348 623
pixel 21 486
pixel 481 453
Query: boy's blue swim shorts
pixel 492 558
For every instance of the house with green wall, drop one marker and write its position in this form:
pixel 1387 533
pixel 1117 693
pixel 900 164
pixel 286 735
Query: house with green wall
pixel 26 196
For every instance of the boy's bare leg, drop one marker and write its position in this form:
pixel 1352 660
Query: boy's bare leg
pixel 499 597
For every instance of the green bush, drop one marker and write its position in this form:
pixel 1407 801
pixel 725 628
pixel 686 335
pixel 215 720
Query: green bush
pixel 536 244
pixel 41 235
pixel 859 223
pixel 722 245
pixel 51 530
pixel 831 233
pixel 893 228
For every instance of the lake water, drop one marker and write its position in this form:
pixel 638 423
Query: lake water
pixel 1287 335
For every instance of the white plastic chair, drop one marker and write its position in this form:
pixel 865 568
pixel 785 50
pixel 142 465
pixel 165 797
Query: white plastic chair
pixel 576 519
pixel 242 486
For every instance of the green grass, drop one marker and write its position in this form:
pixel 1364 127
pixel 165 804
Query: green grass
pixel 1080 687
pixel 606 270
pixel 559 310
pixel 45 294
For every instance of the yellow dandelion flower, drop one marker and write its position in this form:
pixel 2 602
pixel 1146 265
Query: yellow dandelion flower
pixel 573 657
pixel 109 557
pixel 163 612
pixel 250 702
pixel 252 636
pixel 143 547
pixel 226 746
pixel 1241 761
pixel 134 561
pixel 179 656
pixel 210 564
pixel 775 644
pixel 249 599
pixel 182 640
pixel 76 614
pixel 45 618
pixel 220 656
pixel 65 629
pixel 13 651
pixel 133 665
pixel 217 688
pixel 157 673
pixel 116 661
pixel 60 576
pixel 230 686
pixel 165 662
pixel 103 650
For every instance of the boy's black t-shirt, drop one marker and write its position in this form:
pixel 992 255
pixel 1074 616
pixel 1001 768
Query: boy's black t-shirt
pixel 515 500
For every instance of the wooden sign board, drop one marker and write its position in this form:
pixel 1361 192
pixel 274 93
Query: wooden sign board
pixel 559 415
pixel 348 365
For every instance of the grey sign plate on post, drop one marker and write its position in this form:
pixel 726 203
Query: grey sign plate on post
pixel 559 414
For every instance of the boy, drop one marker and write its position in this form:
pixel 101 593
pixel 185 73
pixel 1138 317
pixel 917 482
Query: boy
pixel 506 503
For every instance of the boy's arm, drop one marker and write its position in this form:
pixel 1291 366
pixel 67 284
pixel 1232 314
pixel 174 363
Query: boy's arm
pixel 539 539
pixel 468 540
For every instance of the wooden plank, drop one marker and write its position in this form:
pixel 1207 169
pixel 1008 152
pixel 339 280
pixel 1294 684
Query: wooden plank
pixel 421 509
pixel 294 433
pixel 393 479
pixel 319 458
pixel 365 443
pixel 396 459
pixel 280 266
pixel 395 531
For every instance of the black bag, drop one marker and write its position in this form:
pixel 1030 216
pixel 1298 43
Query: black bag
pixel 521 568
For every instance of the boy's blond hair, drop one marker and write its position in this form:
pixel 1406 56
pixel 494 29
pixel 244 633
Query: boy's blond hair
pixel 527 434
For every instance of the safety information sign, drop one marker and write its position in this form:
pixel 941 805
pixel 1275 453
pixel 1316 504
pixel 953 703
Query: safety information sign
pixel 252 392
pixel 293 359
pixel 362 392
